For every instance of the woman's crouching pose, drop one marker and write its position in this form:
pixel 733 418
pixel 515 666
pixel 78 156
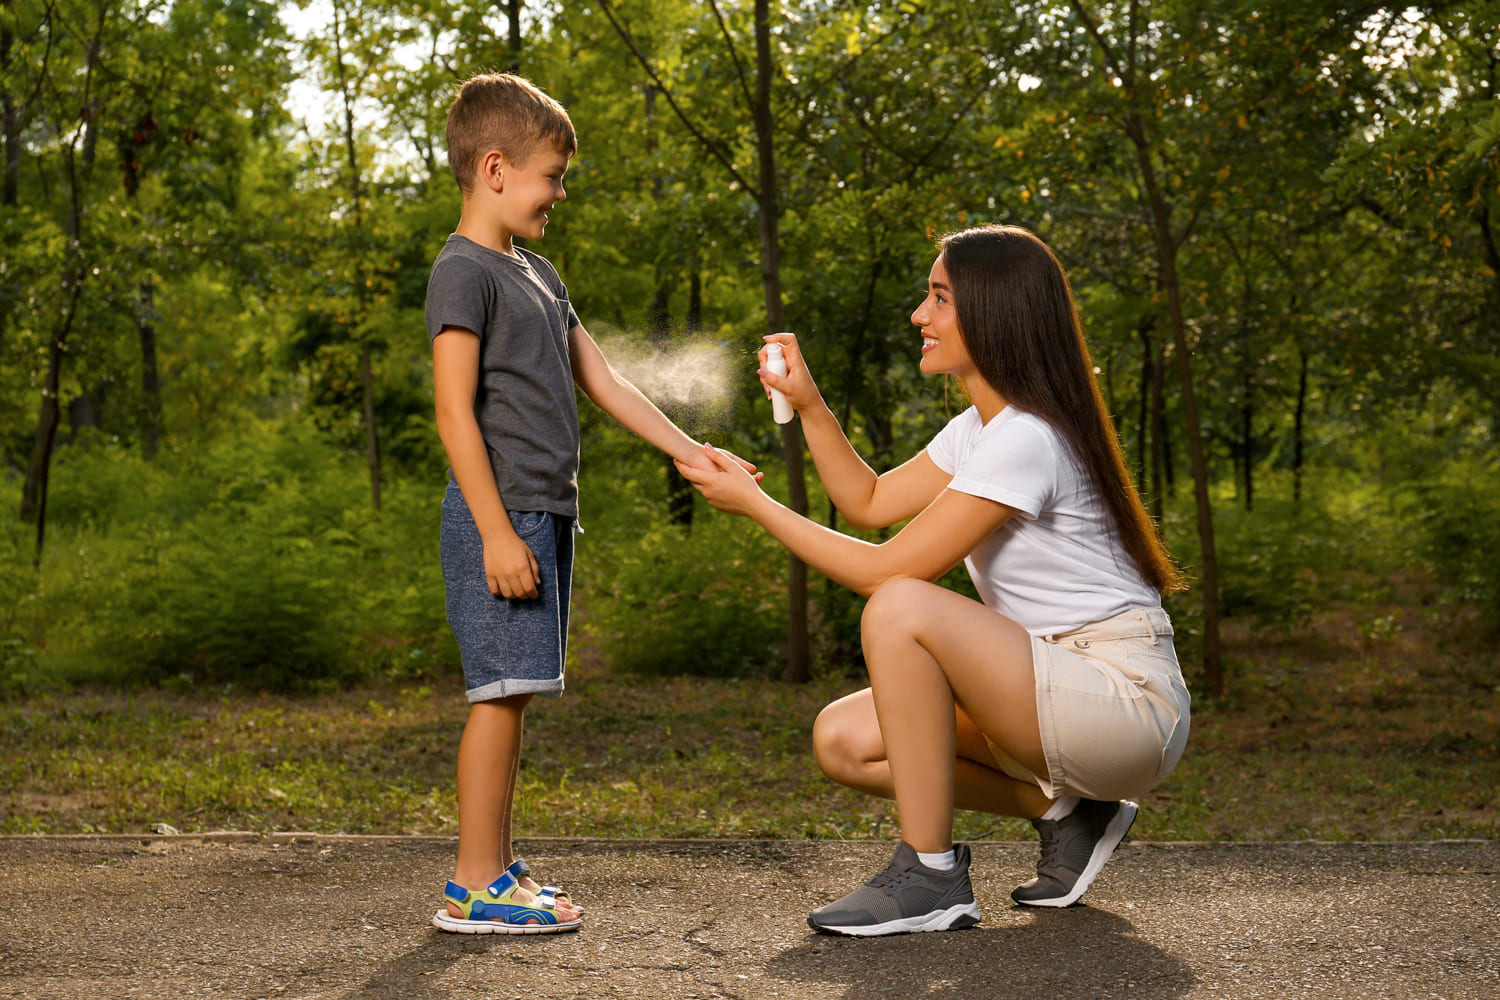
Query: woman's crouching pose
pixel 1059 697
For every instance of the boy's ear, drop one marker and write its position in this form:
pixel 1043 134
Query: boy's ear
pixel 492 170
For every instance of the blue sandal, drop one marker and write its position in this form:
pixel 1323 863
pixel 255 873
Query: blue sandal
pixel 548 895
pixel 494 911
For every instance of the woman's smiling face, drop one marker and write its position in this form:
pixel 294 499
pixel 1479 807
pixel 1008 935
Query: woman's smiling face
pixel 943 349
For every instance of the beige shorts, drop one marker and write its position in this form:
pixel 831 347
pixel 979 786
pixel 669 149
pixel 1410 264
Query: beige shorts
pixel 1112 706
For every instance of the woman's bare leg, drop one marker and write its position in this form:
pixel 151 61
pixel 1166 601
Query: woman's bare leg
pixel 929 652
pixel 849 748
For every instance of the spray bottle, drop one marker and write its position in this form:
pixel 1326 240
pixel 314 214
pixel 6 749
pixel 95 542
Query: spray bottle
pixel 781 410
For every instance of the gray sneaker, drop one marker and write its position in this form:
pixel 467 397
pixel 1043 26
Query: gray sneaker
pixel 906 897
pixel 1074 848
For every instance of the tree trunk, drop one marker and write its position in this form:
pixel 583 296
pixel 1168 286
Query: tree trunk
pixel 1166 456
pixel 150 375
pixel 1143 417
pixel 39 473
pixel 1297 425
pixel 679 490
pixel 361 293
pixel 513 33
pixel 1491 248
pixel 1166 250
pixel 1163 480
pixel 1247 445
pixel 798 646
pixel 1169 285
pixel 372 438
pixel 10 135
pixel 10 115
pixel 695 301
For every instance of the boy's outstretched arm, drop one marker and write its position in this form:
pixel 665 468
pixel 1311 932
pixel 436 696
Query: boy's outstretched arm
pixel 615 395
pixel 510 567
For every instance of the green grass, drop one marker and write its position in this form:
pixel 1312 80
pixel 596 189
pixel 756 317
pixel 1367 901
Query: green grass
pixel 1377 724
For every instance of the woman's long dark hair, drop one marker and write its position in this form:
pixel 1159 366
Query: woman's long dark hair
pixel 1021 327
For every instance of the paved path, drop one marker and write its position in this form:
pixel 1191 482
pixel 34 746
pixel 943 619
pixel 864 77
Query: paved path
pixel 346 917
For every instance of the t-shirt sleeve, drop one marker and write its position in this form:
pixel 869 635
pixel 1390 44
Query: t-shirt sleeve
pixel 1014 464
pixel 456 297
pixel 943 448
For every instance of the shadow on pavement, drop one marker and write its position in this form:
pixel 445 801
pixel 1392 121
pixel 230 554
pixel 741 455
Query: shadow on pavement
pixel 1084 952
pixel 418 973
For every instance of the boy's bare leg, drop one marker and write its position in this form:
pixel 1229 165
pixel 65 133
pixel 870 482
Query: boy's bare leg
pixel 526 881
pixel 489 757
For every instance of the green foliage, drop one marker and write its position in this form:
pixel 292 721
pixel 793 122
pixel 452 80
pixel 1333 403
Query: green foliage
pixel 265 254
pixel 1457 524
pixel 1283 562
pixel 18 637
pixel 707 602
pixel 254 563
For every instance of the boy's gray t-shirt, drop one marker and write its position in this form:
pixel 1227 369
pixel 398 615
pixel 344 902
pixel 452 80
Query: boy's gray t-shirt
pixel 525 402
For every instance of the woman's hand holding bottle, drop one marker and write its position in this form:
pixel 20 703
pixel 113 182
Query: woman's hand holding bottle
pixel 797 384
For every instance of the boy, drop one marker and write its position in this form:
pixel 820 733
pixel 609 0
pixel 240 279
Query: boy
pixel 507 349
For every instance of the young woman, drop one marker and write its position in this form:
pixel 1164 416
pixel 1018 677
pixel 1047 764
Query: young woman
pixel 1057 698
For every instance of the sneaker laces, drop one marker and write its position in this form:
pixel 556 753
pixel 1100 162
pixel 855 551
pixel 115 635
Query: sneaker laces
pixel 1051 843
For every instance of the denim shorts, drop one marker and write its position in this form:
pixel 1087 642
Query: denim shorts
pixel 509 647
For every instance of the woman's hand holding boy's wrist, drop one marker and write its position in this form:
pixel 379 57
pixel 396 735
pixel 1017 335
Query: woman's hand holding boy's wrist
pixel 724 482
pixel 699 458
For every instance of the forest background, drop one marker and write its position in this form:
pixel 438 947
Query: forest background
pixel 220 601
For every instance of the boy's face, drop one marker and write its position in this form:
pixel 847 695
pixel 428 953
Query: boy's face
pixel 530 191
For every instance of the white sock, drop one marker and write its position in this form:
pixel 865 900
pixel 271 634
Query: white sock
pixel 1061 807
pixel 942 862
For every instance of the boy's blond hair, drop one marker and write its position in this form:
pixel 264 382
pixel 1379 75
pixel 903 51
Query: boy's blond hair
pixel 504 112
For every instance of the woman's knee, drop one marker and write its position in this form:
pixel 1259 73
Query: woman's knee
pixel 845 740
pixel 894 606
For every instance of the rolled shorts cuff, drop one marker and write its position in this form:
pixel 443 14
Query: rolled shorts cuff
pixel 511 688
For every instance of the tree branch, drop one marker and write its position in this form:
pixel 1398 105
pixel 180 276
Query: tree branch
pixel 714 147
pixel 1110 59
pixel 734 55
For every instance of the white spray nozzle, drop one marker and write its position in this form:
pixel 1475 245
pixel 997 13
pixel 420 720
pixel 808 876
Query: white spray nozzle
pixel 781 410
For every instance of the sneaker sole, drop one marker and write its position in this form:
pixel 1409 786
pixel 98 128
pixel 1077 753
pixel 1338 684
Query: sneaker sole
pixel 1113 834
pixel 952 919
pixel 454 925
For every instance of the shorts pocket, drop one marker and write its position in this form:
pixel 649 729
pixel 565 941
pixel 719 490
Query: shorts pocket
pixel 528 522
pixel 1171 751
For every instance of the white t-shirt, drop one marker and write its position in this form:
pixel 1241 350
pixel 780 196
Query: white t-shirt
pixel 1058 564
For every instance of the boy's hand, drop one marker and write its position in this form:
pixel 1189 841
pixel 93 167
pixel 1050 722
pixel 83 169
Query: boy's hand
pixel 510 568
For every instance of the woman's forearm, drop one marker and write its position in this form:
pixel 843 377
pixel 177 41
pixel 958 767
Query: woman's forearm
pixel 848 480
pixel 850 562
